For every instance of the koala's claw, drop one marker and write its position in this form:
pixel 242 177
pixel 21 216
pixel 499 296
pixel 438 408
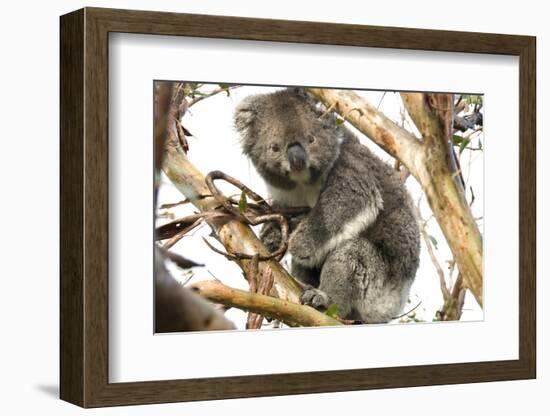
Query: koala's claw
pixel 316 298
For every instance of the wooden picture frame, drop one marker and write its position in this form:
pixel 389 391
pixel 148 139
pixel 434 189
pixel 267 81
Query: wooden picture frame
pixel 84 207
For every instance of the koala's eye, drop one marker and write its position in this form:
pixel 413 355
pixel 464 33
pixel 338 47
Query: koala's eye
pixel 311 138
pixel 275 148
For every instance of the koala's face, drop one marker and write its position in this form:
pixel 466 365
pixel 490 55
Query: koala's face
pixel 288 138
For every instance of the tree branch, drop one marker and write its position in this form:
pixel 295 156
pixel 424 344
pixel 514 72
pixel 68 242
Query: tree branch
pixel 177 309
pixel 446 200
pixel 394 139
pixel 427 161
pixel 292 314
pixel 233 234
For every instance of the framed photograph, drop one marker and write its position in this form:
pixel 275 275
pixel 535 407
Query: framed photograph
pixel 254 207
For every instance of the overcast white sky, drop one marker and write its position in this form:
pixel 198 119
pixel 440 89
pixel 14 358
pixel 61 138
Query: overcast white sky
pixel 215 146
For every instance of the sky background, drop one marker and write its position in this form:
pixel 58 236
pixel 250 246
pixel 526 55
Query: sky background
pixel 215 146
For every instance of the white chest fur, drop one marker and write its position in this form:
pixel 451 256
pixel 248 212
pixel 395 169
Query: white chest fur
pixel 303 195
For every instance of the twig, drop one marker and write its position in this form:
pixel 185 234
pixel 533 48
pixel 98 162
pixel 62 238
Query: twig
pixel 228 256
pixel 182 202
pixel 246 217
pixel 173 228
pixel 412 310
pixel 433 258
pixel 172 241
pixel 381 99
pixel 211 94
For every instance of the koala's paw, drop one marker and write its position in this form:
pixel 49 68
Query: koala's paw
pixel 314 297
pixel 301 248
pixel 271 236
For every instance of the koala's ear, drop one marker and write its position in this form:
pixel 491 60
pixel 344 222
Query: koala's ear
pixel 245 114
pixel 302 94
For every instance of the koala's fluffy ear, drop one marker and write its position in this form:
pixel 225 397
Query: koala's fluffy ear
pixel 309 99
pixel 302 93
pixel 245 114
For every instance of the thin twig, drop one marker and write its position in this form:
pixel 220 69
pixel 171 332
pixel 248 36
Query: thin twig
pixel 174 227
pixel 412 310
pixel 172 241
pixel 211 94
pixel 246 216
pixel 433 258
pixel 182 202
pixel 381 99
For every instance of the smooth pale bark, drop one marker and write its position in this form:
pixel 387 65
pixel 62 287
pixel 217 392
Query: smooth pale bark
pixel 427 161
pixel 234 235
pixel 292 314
pixel 394 139
pixel 447 201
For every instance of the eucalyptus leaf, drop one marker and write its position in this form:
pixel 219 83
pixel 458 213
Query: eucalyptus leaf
pixel 243 203
pixel 457 139
pixel 332 310
pixel 463 145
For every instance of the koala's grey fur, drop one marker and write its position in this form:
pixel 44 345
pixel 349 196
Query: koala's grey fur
pixel 359 244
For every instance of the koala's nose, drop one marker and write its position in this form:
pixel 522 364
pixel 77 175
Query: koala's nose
pixel 296 157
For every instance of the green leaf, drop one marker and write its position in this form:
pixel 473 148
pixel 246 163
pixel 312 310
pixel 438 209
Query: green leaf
pixel 339 121
pixel 473 99
pixel 243 204
pixel 226 88
pixel 463 145
pixel 457 139
pixel 332 311
pixel 433 240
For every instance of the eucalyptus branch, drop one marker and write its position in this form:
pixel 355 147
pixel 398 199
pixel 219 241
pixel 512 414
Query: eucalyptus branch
pixel 427 160
pixel 236 236
pixel 292 314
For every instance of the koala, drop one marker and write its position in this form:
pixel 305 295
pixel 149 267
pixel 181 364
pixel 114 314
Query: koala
pixel 359 244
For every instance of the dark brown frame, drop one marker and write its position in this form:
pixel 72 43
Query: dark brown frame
pixel 84 208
